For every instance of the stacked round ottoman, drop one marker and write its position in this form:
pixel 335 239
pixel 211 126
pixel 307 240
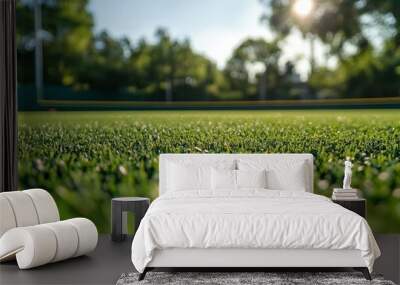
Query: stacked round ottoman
pixel 31 230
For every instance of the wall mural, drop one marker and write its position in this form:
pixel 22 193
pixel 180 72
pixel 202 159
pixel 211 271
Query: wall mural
pixel 93 116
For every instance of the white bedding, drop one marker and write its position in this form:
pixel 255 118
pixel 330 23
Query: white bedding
pixel 250 219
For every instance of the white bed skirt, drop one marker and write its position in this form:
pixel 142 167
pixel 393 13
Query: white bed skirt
pixel 192 257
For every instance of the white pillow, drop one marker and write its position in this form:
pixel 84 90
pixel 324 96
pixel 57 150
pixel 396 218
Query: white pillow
pixel 283 174
pixel 292 181
pixel 226 179
pixel 182 177
pixel 251 178
pixel 223 179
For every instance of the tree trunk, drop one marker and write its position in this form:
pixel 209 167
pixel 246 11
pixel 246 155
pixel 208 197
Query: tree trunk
pixel 263 86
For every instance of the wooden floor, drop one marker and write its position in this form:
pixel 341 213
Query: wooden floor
pixel 103 266
pixel 110 260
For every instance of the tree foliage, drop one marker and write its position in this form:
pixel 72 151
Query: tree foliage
pixel 363 35
pixel 74 56
pixel 254 68
pixel 66 34
pixel 372 69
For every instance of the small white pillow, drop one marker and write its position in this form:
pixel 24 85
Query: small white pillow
pixel 295 180
pixel 283 174
pixel 251 178
pixel 181 177
pixel 223 179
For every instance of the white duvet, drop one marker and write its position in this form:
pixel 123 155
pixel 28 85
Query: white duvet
pixel 250 219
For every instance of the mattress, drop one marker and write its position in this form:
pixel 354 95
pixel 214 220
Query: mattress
pixel 250 219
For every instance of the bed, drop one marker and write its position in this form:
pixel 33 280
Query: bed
pixel 245 211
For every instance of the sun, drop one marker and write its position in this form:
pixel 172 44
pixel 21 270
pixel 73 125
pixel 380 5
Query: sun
pixel 303 8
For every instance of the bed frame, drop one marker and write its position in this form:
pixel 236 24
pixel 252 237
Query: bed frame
pixel 247 259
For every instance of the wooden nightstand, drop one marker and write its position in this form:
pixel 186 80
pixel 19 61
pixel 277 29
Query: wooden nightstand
pixel 119 206
pixel 358 206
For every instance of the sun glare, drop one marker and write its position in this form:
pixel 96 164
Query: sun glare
pixel 303 8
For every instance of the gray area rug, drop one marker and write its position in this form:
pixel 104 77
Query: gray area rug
pixel 228 278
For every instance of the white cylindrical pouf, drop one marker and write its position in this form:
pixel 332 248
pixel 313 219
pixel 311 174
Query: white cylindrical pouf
pixel 87 234
pixel 23 208
pixel 45 205
pixel 31 232
pixel 33 246
pixel 67 239
pixel 7 218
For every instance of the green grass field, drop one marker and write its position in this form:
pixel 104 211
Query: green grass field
pixel 85 158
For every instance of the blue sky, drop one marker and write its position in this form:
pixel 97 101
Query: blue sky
pixel 214 27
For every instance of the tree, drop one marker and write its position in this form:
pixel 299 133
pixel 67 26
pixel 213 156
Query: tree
pixel 386 14
pixel 365 74
pixel 334 22
pixel 370 68
pixel 176 69
pixel 67 34
pixel 103 66
pixel 76 58
pixel 245 59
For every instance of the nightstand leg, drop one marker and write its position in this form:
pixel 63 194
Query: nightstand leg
pixel 116 222
pixel 139 211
